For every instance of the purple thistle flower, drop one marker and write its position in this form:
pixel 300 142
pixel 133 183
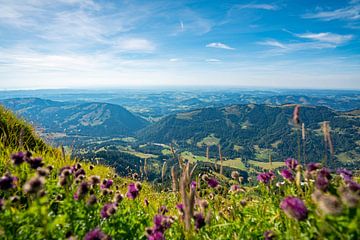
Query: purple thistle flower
pixel 313 166
pixel 18 158
pixel 96 234
pixel 155 235
pixel 7 181
pixel 294 208
pixel 199 220
pixel 345 174
pixel 269 235
pixel 321 183
pixel 212 182
pixel 36 162
pixel 287 174
pixel 108 210
pixel 354 186
pixel 180 208
pixel 82 190
pixel 193 185
pixel 325 172
pixel 265 177
pixel 163 210
pixel 132 192
pixel 291 163
pixel 107 183
pixel 79 172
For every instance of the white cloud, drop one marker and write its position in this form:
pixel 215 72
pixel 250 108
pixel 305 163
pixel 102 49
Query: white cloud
pixel 351 13
pixel 212 60
pixel 174 59
pixel 136 45
pixel 258 6
pixel 280 48
pixel 326 37
pixel 219 45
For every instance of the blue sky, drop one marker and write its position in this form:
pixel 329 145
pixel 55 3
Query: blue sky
pixel 98 43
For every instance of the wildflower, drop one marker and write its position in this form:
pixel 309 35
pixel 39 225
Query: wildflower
pixel 50 167
pixel 180 208
pixel 193 185
pixel 234 188
pixel 7 181
pixel 205 177
pixel 36 162
pixel 108 210
pixel 42 172
pixel 146 202
pixel 162 223
pixel 106 183
pixel 329 204
pixel 212 182
pixel 313 166
pixel 199 220
pixel 203 204
pixel 162 210
pixel 96 234
pixel 294 208
pixel 132 192
pixel 118 198
pixel 154 235
pixel 92 200
pixel 353 186
pixel 322 182
pixel 235 175
pixel 349 197
pixel 34 185
pixel 18 158
pixel 265 177
pixel 94 180
pixel 138 185
pixel 287 174
pixel 91 167
pixel 291 163
pixel 82 190
pixel 135 176
pixel 79 172
pixel 65 171
pixel 269 235
pixel 243 203
pixel 14 199
pixel 345 174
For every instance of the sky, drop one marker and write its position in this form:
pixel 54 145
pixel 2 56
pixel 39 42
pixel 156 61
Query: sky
pixel 113 44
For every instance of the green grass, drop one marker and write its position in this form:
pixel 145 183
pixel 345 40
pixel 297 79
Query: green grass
pixel 210 140
pixel 246 214
pixel 266 165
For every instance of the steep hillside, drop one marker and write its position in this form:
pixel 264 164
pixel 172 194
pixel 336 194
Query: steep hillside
pixel 257 131
pixel 86 119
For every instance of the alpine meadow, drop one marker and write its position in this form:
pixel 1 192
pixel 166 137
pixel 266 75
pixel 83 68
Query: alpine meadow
pixel 190 119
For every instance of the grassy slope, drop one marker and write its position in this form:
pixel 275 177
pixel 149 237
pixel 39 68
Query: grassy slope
pixel 243 215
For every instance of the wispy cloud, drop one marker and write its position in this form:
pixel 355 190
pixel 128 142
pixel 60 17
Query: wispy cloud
pixel 326 37
pixel 280 47
pixel 212 60
pixel 258 6
pixel 219 45
pixel 136 45
pixel 351 13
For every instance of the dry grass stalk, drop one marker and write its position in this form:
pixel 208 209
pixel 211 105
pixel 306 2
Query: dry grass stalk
pixel 173 179
pixel 63 152
pixel 145 167
pixel 296 113
pixel 303 133
pixel 221 160
pixel 327 138
pixel 270 160
pixel 21 138
pixel 163 171
pixel 187 195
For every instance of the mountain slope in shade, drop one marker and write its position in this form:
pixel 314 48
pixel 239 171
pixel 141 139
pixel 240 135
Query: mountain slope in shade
pixel 258 131
pixel 88 119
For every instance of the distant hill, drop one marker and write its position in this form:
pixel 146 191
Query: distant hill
pixel 257 131
pixel 72 118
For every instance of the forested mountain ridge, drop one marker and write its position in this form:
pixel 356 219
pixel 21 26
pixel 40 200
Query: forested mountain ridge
pixel 76 118
pixel 257 131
